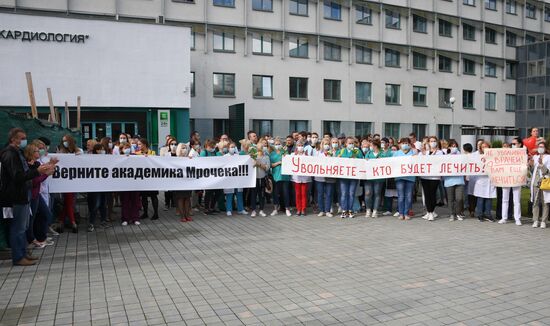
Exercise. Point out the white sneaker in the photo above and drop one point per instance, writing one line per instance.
(434, 214)
(426, 216)
(368, 213)
(386, 213)
(229, 213)
(339, 210)
(321, 214)
(460, 217)
(536, 224)
(253, 214)
(396, 214)
(275, 211)
(431, 216)
(288, 213)
(452, 218)
(518, 223)
(502, 221)
(374, 214)
(543, 225)
(262, 213)
(124, 223)
(137, 223)
(243, 212)
(329, 214)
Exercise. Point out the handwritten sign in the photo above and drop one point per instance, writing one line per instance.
(506, 167)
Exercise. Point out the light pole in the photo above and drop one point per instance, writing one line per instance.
(452, 102)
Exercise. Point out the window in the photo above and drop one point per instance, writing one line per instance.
(392, 130)
(224, 42)
(535, 68)
(393, 95)
(332, 52)
(469, 2)
(262, 86)
(490, 101)
(444, 97)
(419, 130)
(490, 69)
(294, 125)
(224, 84)
(298, 7)
(443, 131)
(331, 91)
(331, 126)
(419, 61)
(363, 15)
(298, 88)
(298, 47)
(363, 128)
(333, 10)
(530, 39)
(511, 7)
(420, 24)
(393, 19)
(261, 44)
(511, 39)
(263, 127)
(511, 70)
(531, 102)
(392, 58)
(491, 4)
(530, 11)
(445, 64)
(510, 102)
(490, 36)
(468, 32)
(547, 14)
(363, 55)
(445, 28)
(224, 3)
(192, 84)
(419, 95)
(468, 99)
(262, 5)
(469, 67)
(363, 92)
(192, 40)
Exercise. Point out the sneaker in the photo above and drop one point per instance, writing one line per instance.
(137, 223)
(243, 212)
(502, 221)
(452, 218)
(518, 223)
(434, 214)
(298, 213)
(91, 228)
(431, 217)
(489, 218)
(374, 214)
(344, 215)
(536, 224)
(329, 214)
(48, 242)
(53, 232)
(543, 225)
(183, 219)
(75, 228)
(124, 223)
(38, 244)
(262, 213)
(386, 213)
(426, 216)
(321, 214)
(407, 217)
(350, 214)
(396, 214)
(228, 213)
(275, 212)
(460, 217)
(481, 219)
(253, 214)
(288, 212)
(401, 217)
(368, 213)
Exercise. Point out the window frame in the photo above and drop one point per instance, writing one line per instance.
(471, 3)
(491, 99)
(332, 6)
(529, 7)
(445, 104)
(491, 5)
(391, 86)
(490, 67)
(468, 32)
(263, 42)
(445, 28)
(298, 81)
(511, 4)
(444, 61)
(417, 89)
(511, 39)
(298, 46)
(224, 75)
(225, 36)
(299, 4)
(468, 92)
(332, 48)
(416, 21)
(222, 3)
(391, 14)
(366, 18)
(262, 5)
(466, 63)
(262, 77)
(490, 36)
(368, 98)
(396, 54)
(424, 57)
(363, 50)
(332, 83)
(507, 101)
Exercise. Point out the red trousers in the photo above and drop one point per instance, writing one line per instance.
(301, 196)
(68, 208)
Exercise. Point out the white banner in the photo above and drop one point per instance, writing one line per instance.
(506, 167)
(106, 173)
(392, 167)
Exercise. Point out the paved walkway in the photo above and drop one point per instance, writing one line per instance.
(282, 270)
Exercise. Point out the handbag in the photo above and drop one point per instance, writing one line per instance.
(545, 184)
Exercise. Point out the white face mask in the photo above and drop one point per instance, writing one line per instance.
(326, 147)
(514, 145)
(127, 151)
(278, 146)
(334, 145)
(541, 150)
(382, 145)
(433, 144)
(300, 149)
(110, 145)
(350, 146)
(454, 150)
(122, 140)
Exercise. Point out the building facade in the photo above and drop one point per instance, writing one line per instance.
(351, 66)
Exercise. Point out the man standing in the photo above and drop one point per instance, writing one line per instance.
(15, 192)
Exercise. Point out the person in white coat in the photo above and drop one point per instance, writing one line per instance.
(484, 192)
(516, 191)
(541, 167)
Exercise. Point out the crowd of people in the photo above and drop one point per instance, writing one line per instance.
(35, 215)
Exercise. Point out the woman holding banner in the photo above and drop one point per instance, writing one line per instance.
(300, 183)
(183, 197)
(484, 192)
(455, 187)
(143, 149)
(324, 186)
(404, 185)
(516, 191)
(373, 187)
(348, 186)
(130, 200)
(541, 169)
(68, 146)
(281, 182)
(430, 184)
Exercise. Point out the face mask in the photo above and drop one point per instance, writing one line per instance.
(270, 141)
(350, 147)
(278, 147)
(127, 151)
(326, 147)
(110, 145)
(232, 150)
(173, 147)
(211, 150)
(314, 140)
(225, 150)
(42, 152)
(300, 149)
(454, 150)
(364, 149)
(382, 145)
(405, 147)
(541, 150)
(102, 151)
(66, 144)
(433, 144)
(514, 146)
(123, 141)
(23, 144)
(371, 148)
(334, 145)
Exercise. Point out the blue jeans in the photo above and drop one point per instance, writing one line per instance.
(18, 228)
(373, 192)
(42, 214)
(229, 202)
(484, 206)
(96, 202)
(347, 193)
(404, 195)
(324, 195)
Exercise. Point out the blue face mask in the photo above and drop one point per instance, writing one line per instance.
(211, 150)
(23, 144)
(405, 147)
(127, 151)
(225, 150)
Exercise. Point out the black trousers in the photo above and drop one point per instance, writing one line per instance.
(430, 193)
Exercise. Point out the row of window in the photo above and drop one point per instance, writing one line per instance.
(333, 9)
(262, 87)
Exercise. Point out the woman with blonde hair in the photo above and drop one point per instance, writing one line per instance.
(68, 146)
